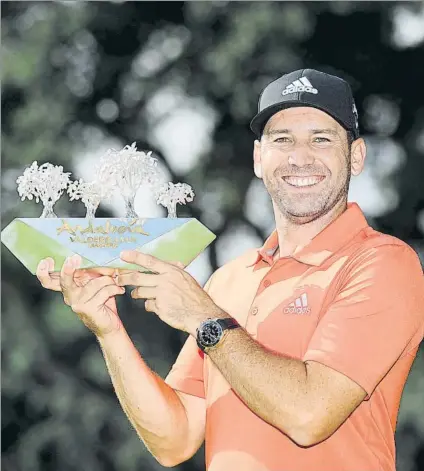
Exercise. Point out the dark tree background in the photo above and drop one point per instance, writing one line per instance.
(181, 79)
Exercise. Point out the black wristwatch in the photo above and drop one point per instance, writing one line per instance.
(211, 331)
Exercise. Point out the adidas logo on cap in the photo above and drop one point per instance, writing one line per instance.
(301, 85)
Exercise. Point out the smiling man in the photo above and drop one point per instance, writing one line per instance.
(298, 352)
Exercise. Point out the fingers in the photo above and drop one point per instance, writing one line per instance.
(150, 305)
(68, 270)
(178, 265)
(91, 293)
(50, 264)
(107, 292)
(94, 286)
(101, 271)
(144, 293)
(51, 280)
(135, 278)
(43, 272)
(90, 307)
(145, 261)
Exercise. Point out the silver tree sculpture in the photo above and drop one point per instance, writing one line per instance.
(46, 183)
(90, 193)
(129, 169)
(170, 194)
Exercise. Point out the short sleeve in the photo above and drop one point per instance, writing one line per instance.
(377, 316)
(186, 374)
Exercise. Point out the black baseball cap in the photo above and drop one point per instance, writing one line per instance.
(308, 87)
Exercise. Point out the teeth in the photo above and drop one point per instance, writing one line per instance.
(308, 181)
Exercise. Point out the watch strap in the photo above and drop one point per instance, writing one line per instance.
(228, 323)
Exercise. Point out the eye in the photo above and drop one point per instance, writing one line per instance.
(282, 139)
(321, 139)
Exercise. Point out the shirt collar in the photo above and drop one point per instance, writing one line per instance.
(327, 242)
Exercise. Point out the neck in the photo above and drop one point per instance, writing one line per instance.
(296, 233)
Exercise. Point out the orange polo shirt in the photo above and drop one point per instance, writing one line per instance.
(352, 299)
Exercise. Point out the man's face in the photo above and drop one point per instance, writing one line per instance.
(304, 160)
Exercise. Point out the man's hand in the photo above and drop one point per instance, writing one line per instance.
(94, 302)
(170, 292)
(50, 279)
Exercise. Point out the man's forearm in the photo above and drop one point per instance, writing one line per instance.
(271, 385)
(152, 406)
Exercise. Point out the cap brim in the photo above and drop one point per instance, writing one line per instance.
(258, 122)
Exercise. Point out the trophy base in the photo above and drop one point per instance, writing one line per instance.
(99, 241)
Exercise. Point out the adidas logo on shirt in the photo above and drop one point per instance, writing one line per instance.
(298, 306)
(301, 85)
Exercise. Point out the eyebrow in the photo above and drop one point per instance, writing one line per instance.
(333, 132)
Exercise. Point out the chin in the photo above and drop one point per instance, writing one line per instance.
(303, 213)
(302, 218)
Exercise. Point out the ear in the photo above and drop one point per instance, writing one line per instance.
(257, 164)
(358, 154)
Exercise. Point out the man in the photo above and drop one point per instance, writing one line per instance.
(298, 353)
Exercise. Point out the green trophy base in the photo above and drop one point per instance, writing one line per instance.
(99, 241)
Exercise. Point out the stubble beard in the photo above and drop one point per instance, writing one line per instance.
(306, 207)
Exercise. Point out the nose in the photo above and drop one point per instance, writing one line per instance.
(301, 155)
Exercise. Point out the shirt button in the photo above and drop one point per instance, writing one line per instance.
(267, 283)
(254, 311)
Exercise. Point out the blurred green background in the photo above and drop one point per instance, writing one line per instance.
(181, 79)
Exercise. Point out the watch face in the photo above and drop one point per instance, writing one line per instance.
(210, 333)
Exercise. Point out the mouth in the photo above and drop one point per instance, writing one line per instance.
(303, 182)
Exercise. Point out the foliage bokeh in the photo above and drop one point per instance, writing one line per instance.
(181, 79)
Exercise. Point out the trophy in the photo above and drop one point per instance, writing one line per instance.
(99, 241)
